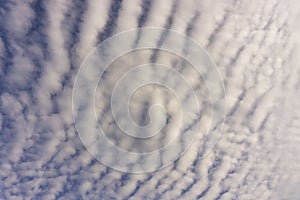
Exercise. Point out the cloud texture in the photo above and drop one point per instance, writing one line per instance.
(255, 45)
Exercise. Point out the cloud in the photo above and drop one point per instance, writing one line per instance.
(255, 46)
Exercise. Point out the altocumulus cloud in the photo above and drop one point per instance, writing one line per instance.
(255, 46)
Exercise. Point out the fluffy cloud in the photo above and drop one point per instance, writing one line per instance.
(255, 46)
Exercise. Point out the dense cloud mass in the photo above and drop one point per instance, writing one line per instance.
(255, 46)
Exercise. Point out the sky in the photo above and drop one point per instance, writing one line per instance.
(243, 106)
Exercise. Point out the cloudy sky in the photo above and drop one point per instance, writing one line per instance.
(255, 47)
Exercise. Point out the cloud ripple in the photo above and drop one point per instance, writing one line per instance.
(254, 44)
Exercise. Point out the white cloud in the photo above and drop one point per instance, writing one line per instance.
(256, 47)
